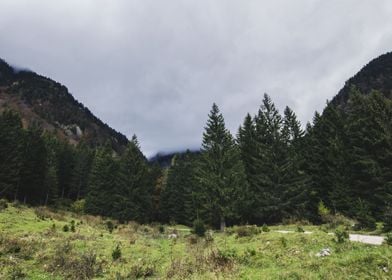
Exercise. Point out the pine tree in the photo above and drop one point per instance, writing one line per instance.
(269, 163)
(10, 153)
(103, 183)
(246, 139)
(370, 150)
(34, 167)
(221, 173)
(177, 198)
(133, 199)
(295, 181)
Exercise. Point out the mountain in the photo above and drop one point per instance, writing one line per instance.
(376, 75)
(43, 101)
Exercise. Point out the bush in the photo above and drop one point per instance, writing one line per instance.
(3, 204)
(78, 206)
(388, 239)
(364, 217)
(193, 239)
(243, 231)
(341, 235)
(75, 266)
(161, 229)
(300, 229)
(265, 228)
(199, 227)
(387, 219)
(142, 269)
(110, 226)
(283, 241)
(323, 212)
(65, 228)
(116, 253)
(15, 273)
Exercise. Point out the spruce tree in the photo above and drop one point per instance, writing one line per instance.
(10, 153)
(269, 163)
(133, 199)
(221, 173)
(33, 167)
(178, 196)
(103, 183)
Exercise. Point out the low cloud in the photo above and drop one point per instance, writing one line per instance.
(154, 67)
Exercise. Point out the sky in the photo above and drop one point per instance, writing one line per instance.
(154, 68)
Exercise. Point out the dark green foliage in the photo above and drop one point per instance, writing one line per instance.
(388, 239)
(33, 167)
(11, 149)
(387, 219)
(116, 253)
(65, 228)
(179, 198)
(110, 226)
(103, 183)
(220, 173)
(199, 227)
(246, 231)
(272, 150)
(3, 204)
(133, 196)
(341, 235)
(265, 228)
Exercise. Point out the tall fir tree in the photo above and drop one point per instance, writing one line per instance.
(34, 167)
(221, 173)
(103, 183)
(178, 197)
(133, 199)
(10, 153)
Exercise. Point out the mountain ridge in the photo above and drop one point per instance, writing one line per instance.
(41, 100)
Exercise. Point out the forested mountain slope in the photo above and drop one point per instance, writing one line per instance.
(376, 75)
(41, 100)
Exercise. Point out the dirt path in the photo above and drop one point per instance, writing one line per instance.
(367, 239)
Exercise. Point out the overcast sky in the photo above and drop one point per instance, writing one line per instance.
(154, 68)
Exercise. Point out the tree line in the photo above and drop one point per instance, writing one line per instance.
(271, 170)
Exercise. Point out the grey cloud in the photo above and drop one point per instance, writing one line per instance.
(154, 67)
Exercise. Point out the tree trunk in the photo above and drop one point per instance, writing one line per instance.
(222, 223)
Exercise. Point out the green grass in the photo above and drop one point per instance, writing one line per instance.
(30, 248)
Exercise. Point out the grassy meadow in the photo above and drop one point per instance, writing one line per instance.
(38, 243)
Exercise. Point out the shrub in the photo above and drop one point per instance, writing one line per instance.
(15, 273)
(300, 229)
(65, 228)
(110, 226)
(3, 204)
(161, 229)
(42, 213)
(265, 228)
(283, 242)
(324, 212)
(387, 219)
(223, 259)
(142, 269)
(243, 231)
(388, 239)
(75, 266)
(364, 217)
(192, 239)
(341, 235)
(199, 227)
(78, 206)
(116, 253)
